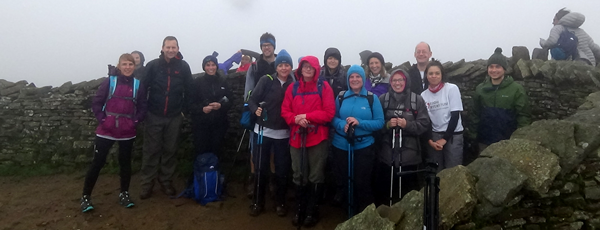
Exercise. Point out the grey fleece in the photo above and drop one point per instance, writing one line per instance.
(586, 47)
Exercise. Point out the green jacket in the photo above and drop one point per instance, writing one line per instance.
(499, 111)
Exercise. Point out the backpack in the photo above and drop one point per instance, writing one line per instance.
(413, 104)
(369, 97)
(567, 43)
(319, 89)
(207, 185)
(248, 118)
(112, 86)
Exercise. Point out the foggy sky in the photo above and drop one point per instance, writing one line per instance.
(52, 42)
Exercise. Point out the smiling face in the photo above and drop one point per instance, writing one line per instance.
(496, 71)
(267, 49)
(170, 49)
(126, 67)
(355, 81)
(374, 66)
(398, 82)
(308, 72)
(210, 68)
(284, 69)
(434, 75)
(332, 62)
(422, 53)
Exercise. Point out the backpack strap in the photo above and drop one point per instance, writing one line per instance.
(386, 101)
(413, 104)
(319, 89)
(112, 85)
(369, 99)
(341, 97)
(136, 86)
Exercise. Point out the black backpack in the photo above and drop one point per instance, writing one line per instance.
(413, 103)
(568, 43)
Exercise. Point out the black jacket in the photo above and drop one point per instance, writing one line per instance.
(208, 89)
(169, 86)
(275, 92)
(416, 80)
(337, 80)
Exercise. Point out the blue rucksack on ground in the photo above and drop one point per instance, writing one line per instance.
(566, 46)
(207, 185)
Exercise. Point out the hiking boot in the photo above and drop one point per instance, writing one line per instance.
(168, 189)
(298, 219)
(125, 200)
(281, 210)
(255, 209)
(310, 221)
(312, 208)
(146, 193)
(86, 204)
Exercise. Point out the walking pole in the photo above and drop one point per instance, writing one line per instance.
(350, 137)
(303, 134)
(259, 144)
(392, 167)
(400, 167)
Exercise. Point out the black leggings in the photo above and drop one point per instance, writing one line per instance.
(101, 148)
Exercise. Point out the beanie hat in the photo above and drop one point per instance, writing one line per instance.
(267, 40)
(356, 69)
(333, 52)
(498, 58)
(283, 57)
(378, 56)
(208, 59)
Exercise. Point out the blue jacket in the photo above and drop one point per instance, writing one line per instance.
(357, 106)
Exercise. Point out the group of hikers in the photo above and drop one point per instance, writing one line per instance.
(362, 123)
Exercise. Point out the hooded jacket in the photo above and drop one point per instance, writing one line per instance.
(169, 85)
(261, 68)
(337, 79)
(319, 109)
(499, 111)
(379, 88)
(417, 123)
(208, 89)
(111, 125)
(586, 46)
(275, 93)
(369, 119)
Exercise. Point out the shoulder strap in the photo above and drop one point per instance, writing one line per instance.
(320, 87)
(264, 93)
(413, 104)
(386, 101)
(341, 97)
(295, 88)
(136, 86)
(370, 99)
(112, 84)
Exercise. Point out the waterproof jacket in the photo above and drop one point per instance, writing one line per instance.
(499, 111)
(208, 89)
(270, 90)
(416, 85)
(119, 118)
(379, 88)
(586, 46)
(319, 109)
(370, 119)
(169, 86)
(256, 71)
(337, 80)
(408, 152)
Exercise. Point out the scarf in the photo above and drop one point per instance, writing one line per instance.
(436, 88)
(375, 79)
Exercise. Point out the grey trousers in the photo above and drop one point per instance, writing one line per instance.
(314, 166)
(452, 153)
(160, 145)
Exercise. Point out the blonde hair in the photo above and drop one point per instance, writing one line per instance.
(125, 57)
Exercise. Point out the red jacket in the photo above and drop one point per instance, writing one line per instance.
(319, 109)
(244, 68)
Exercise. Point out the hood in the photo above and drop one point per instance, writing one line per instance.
(407, 80)
(179, 56)
(487, 84)
(356, 69)
(572, 20)
(142, 58)
(314, 62)
(332, 52)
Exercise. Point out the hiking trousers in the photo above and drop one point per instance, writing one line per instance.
(160, 145)
(314, 166)
(452, 153)
(101, 148)
(364, 160)
(282, 161)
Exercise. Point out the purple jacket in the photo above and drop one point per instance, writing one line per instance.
(111, 125)
(380, 88)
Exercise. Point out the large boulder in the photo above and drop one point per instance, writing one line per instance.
(412, 206)
(559, 137)
(539, 164)
(367, 219)
(458, 195)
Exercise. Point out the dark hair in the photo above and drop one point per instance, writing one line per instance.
(170, 38)
(561, 13)
(266, 36)
(437, 63)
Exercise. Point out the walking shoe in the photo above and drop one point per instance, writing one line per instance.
(168, 189)
(311, 220)
(298, 219)
(281, 210)
(146, 193)
(125, 200)
(255, 209)
(86, 204)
